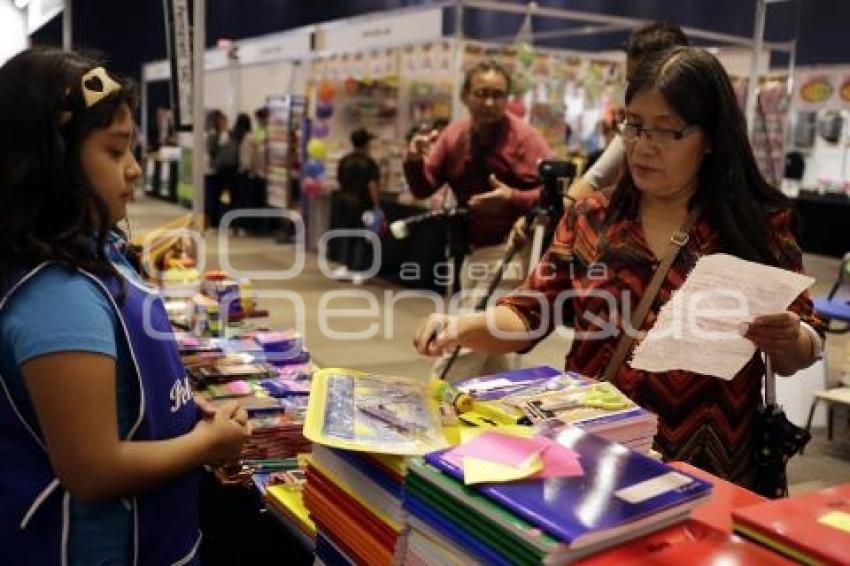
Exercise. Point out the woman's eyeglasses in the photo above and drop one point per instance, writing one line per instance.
(657, 136)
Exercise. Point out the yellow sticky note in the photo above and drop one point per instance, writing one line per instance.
(469, 433)
(837, 520)
(476, 470)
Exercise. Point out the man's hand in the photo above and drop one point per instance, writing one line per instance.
(420, 144)
(491, 201)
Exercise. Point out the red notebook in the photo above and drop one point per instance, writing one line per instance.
(692, 543)
(813, 528)
(725, 498)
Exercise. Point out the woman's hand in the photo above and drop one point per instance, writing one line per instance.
(437, 334)
(781, 336)
(775, 334)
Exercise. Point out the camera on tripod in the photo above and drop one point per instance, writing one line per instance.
(557, 176)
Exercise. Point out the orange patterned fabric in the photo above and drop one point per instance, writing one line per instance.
(703, 420)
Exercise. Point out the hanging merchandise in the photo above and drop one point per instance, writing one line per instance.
(317, 149)
(768, 133)
(350, 86)
(314, 168)
(321, 130)
(844, 92)
(287, 123)
(324, 110)
(325, 92)
(312, 187)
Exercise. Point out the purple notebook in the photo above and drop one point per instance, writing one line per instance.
(619, 488)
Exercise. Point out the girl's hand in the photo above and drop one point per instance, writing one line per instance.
(205, 406)
(224, 434)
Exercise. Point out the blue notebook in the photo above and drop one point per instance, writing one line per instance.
(620, 491)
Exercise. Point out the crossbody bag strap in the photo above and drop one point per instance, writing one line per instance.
(624, 344)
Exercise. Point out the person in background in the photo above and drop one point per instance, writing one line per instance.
(221, 160)
(259, 165)
(358, 176)
(243, 185)
(608, 165)
(489, 161)
(690, 167)
(609, 161)
(607, 132)
(100, 437)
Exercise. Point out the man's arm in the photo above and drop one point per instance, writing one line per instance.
(423, 163)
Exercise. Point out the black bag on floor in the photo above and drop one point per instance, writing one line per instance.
(777, 440)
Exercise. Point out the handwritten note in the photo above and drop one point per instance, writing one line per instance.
(699, 328)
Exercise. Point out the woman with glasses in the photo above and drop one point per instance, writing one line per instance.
(689, 161)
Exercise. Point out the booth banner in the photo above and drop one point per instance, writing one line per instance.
(179, 42)
(823, 90)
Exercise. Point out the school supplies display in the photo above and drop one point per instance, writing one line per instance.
(692, 543)
(542, 394)
(372, 413)
(621, 495)
(355, 499)
(812, 528)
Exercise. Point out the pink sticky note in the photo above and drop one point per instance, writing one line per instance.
(559, 462)
(495, 447)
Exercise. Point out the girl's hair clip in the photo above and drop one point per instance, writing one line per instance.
(97, 85)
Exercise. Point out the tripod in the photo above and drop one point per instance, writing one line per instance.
(541, 222)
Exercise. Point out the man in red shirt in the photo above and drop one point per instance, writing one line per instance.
(490, 162)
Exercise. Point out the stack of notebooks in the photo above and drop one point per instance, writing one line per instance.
(275, 436)
(622, 495)
(269, 373)
(812, 528)
(706, 539)
(355, 501)
(543, 393)
(283, 493)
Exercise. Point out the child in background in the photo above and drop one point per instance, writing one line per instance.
(100, 437)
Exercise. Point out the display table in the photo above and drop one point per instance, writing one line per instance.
(824, 223)
(420, 253)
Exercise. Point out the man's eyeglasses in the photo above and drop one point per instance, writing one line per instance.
(658, 136)
(485, 93)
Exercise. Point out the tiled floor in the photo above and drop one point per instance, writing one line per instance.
(389, 349)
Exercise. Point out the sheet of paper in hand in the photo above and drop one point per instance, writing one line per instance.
(698, 329)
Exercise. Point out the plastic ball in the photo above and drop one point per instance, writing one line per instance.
(317, 149)
(326, 91)
(324, 110)
(312, 187)
(314, 168)
(320, 130)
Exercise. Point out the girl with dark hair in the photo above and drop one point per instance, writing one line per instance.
(99, 432)
(689, 163)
